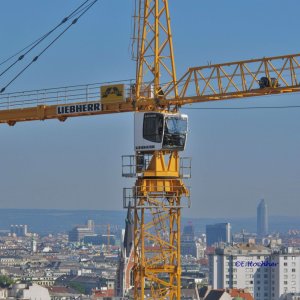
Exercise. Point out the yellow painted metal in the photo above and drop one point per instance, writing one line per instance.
(46, 112)
(113, 93)
(231, 80)
(157, 239)
(159, 168)
(155, 56)
(235, 80)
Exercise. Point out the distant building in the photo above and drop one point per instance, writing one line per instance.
(218, 233)
(286, 276)
(188, 232)
(262, 219)
(244, 237)
(98, 239)
(87, 282)
(207, 292)
(33, 246)
(124, 280)
(228, 268)
(19, 230)
(104, 293)
(266, 275)
(62, 293)
(200, 250)
(188, 244)
(91, 224)
(78, 233)
(292, 296)
(3, 293)
(25, 291)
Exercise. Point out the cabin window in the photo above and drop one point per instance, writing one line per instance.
(153, 127)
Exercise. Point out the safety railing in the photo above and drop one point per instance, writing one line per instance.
(58, 96)
(135, 165)
(161, 197)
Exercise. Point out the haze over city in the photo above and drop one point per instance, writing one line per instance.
(238, 156)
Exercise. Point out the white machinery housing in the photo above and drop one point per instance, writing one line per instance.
(160, 131)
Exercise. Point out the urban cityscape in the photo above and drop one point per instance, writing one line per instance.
(218, 84)
(95, 261)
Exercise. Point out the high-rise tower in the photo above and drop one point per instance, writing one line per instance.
(218, 233)
(262, 218)
(188, 243)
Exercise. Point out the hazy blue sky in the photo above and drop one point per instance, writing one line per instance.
(238, 156)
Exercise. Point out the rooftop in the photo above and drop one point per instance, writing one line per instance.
(248, 249)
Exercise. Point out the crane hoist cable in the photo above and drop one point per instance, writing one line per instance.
(40, 39)
(79, 12)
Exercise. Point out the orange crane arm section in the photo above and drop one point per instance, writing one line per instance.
(226, 81)
(46, 112)
(235, 80)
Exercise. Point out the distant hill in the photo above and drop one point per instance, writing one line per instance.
(44, 221)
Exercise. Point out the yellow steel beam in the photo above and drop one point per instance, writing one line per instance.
(157, 243)
(226, 81)
(155, 56)
(238, 79)
(46, 112)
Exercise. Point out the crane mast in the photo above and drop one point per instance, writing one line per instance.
(158, 189)
(155, 55)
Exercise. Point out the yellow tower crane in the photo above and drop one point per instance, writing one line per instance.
(160, 132)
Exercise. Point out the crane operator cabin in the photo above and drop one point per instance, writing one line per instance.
(160, 131)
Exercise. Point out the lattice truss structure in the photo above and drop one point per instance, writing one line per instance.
(157, 199)
(231, 80)
(248, 78)
(155, 56)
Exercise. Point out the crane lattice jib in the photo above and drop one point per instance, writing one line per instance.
(248, 78)
(232, 80)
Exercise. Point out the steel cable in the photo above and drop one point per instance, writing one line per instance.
(81, 10)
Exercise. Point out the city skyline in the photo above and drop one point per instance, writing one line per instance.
(238, 156)
(53, 221)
